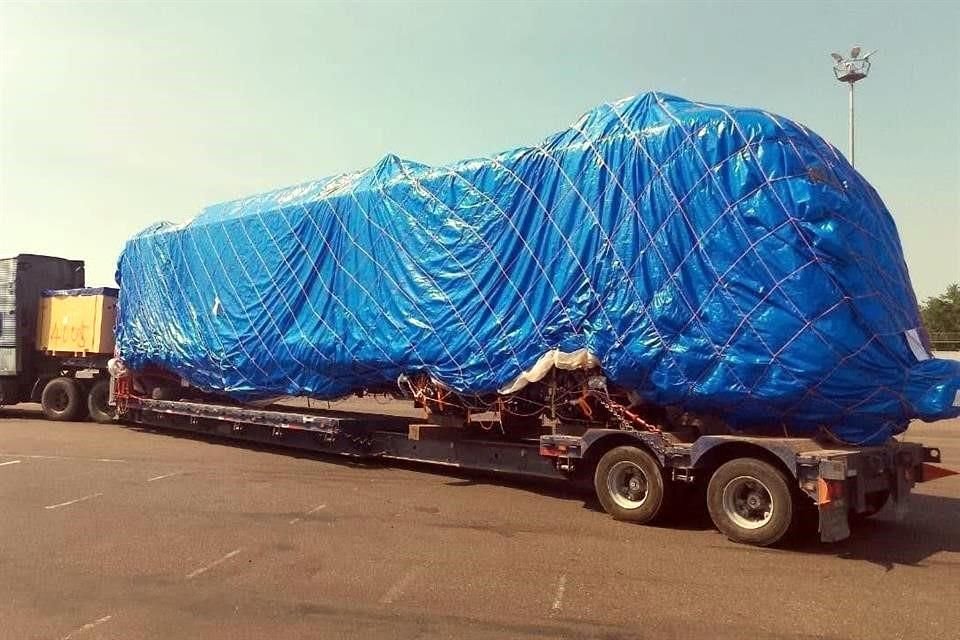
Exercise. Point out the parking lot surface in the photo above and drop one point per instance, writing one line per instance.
(119, 532)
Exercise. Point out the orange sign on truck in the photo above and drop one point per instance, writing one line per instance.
(77, 321)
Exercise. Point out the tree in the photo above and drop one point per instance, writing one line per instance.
(941, 317)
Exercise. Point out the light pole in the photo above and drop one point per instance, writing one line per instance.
(850, 70)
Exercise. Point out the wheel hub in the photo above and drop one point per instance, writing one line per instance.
(60, 401)
(748, 502)
(627, 484)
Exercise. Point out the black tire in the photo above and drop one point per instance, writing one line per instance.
(98, 402)
(750, 501)
(630, 485)
(62, 399)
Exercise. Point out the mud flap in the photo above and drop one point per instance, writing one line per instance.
(902, 484)
(832, 501)
(834, 522)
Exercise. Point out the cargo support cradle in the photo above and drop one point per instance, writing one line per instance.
(838, 480)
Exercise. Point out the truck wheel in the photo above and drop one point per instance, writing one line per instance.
(98, 402)
(62, 399)
(630, 485)
(750, 501)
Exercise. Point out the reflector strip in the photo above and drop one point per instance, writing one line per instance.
(932, 472)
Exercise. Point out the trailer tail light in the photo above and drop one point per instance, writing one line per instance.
(553, 450)
(932, 472)
(829, 490)
(560, 447)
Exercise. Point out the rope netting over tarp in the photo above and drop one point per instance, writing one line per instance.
(725, 260)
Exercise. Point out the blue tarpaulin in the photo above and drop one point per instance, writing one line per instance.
(725, 260)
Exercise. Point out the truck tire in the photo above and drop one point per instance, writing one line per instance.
(62, 399)
(630, 485)
(750, 501)
(98, 402)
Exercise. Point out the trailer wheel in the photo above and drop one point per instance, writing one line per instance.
(62, 399)
(98, 402)
(750, 501)
(630, 485)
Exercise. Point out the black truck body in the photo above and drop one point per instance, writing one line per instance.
(22, 278)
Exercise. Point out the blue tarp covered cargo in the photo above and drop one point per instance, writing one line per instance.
(725, 260)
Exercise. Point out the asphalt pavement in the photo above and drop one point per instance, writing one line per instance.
(119, 532)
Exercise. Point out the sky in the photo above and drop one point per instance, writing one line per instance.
(115, 116)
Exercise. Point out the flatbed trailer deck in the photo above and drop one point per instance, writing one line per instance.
(636, 474)
(355, 434)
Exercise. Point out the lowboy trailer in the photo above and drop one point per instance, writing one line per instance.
(757, 488)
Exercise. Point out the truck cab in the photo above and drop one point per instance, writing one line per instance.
(55, 337)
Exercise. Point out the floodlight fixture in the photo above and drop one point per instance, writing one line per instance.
(851, 70)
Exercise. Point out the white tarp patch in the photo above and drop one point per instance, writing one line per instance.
(916, 345)
(579, 359)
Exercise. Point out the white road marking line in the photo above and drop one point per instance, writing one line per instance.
(561, 587)
(196, 572)
(3, 464)
(89, 625)
(39, 457)
(400, 585)
(69, 502)
(314, 510)
(169, 475)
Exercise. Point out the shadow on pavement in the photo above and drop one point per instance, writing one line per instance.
(930, 525)
(17, 413)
